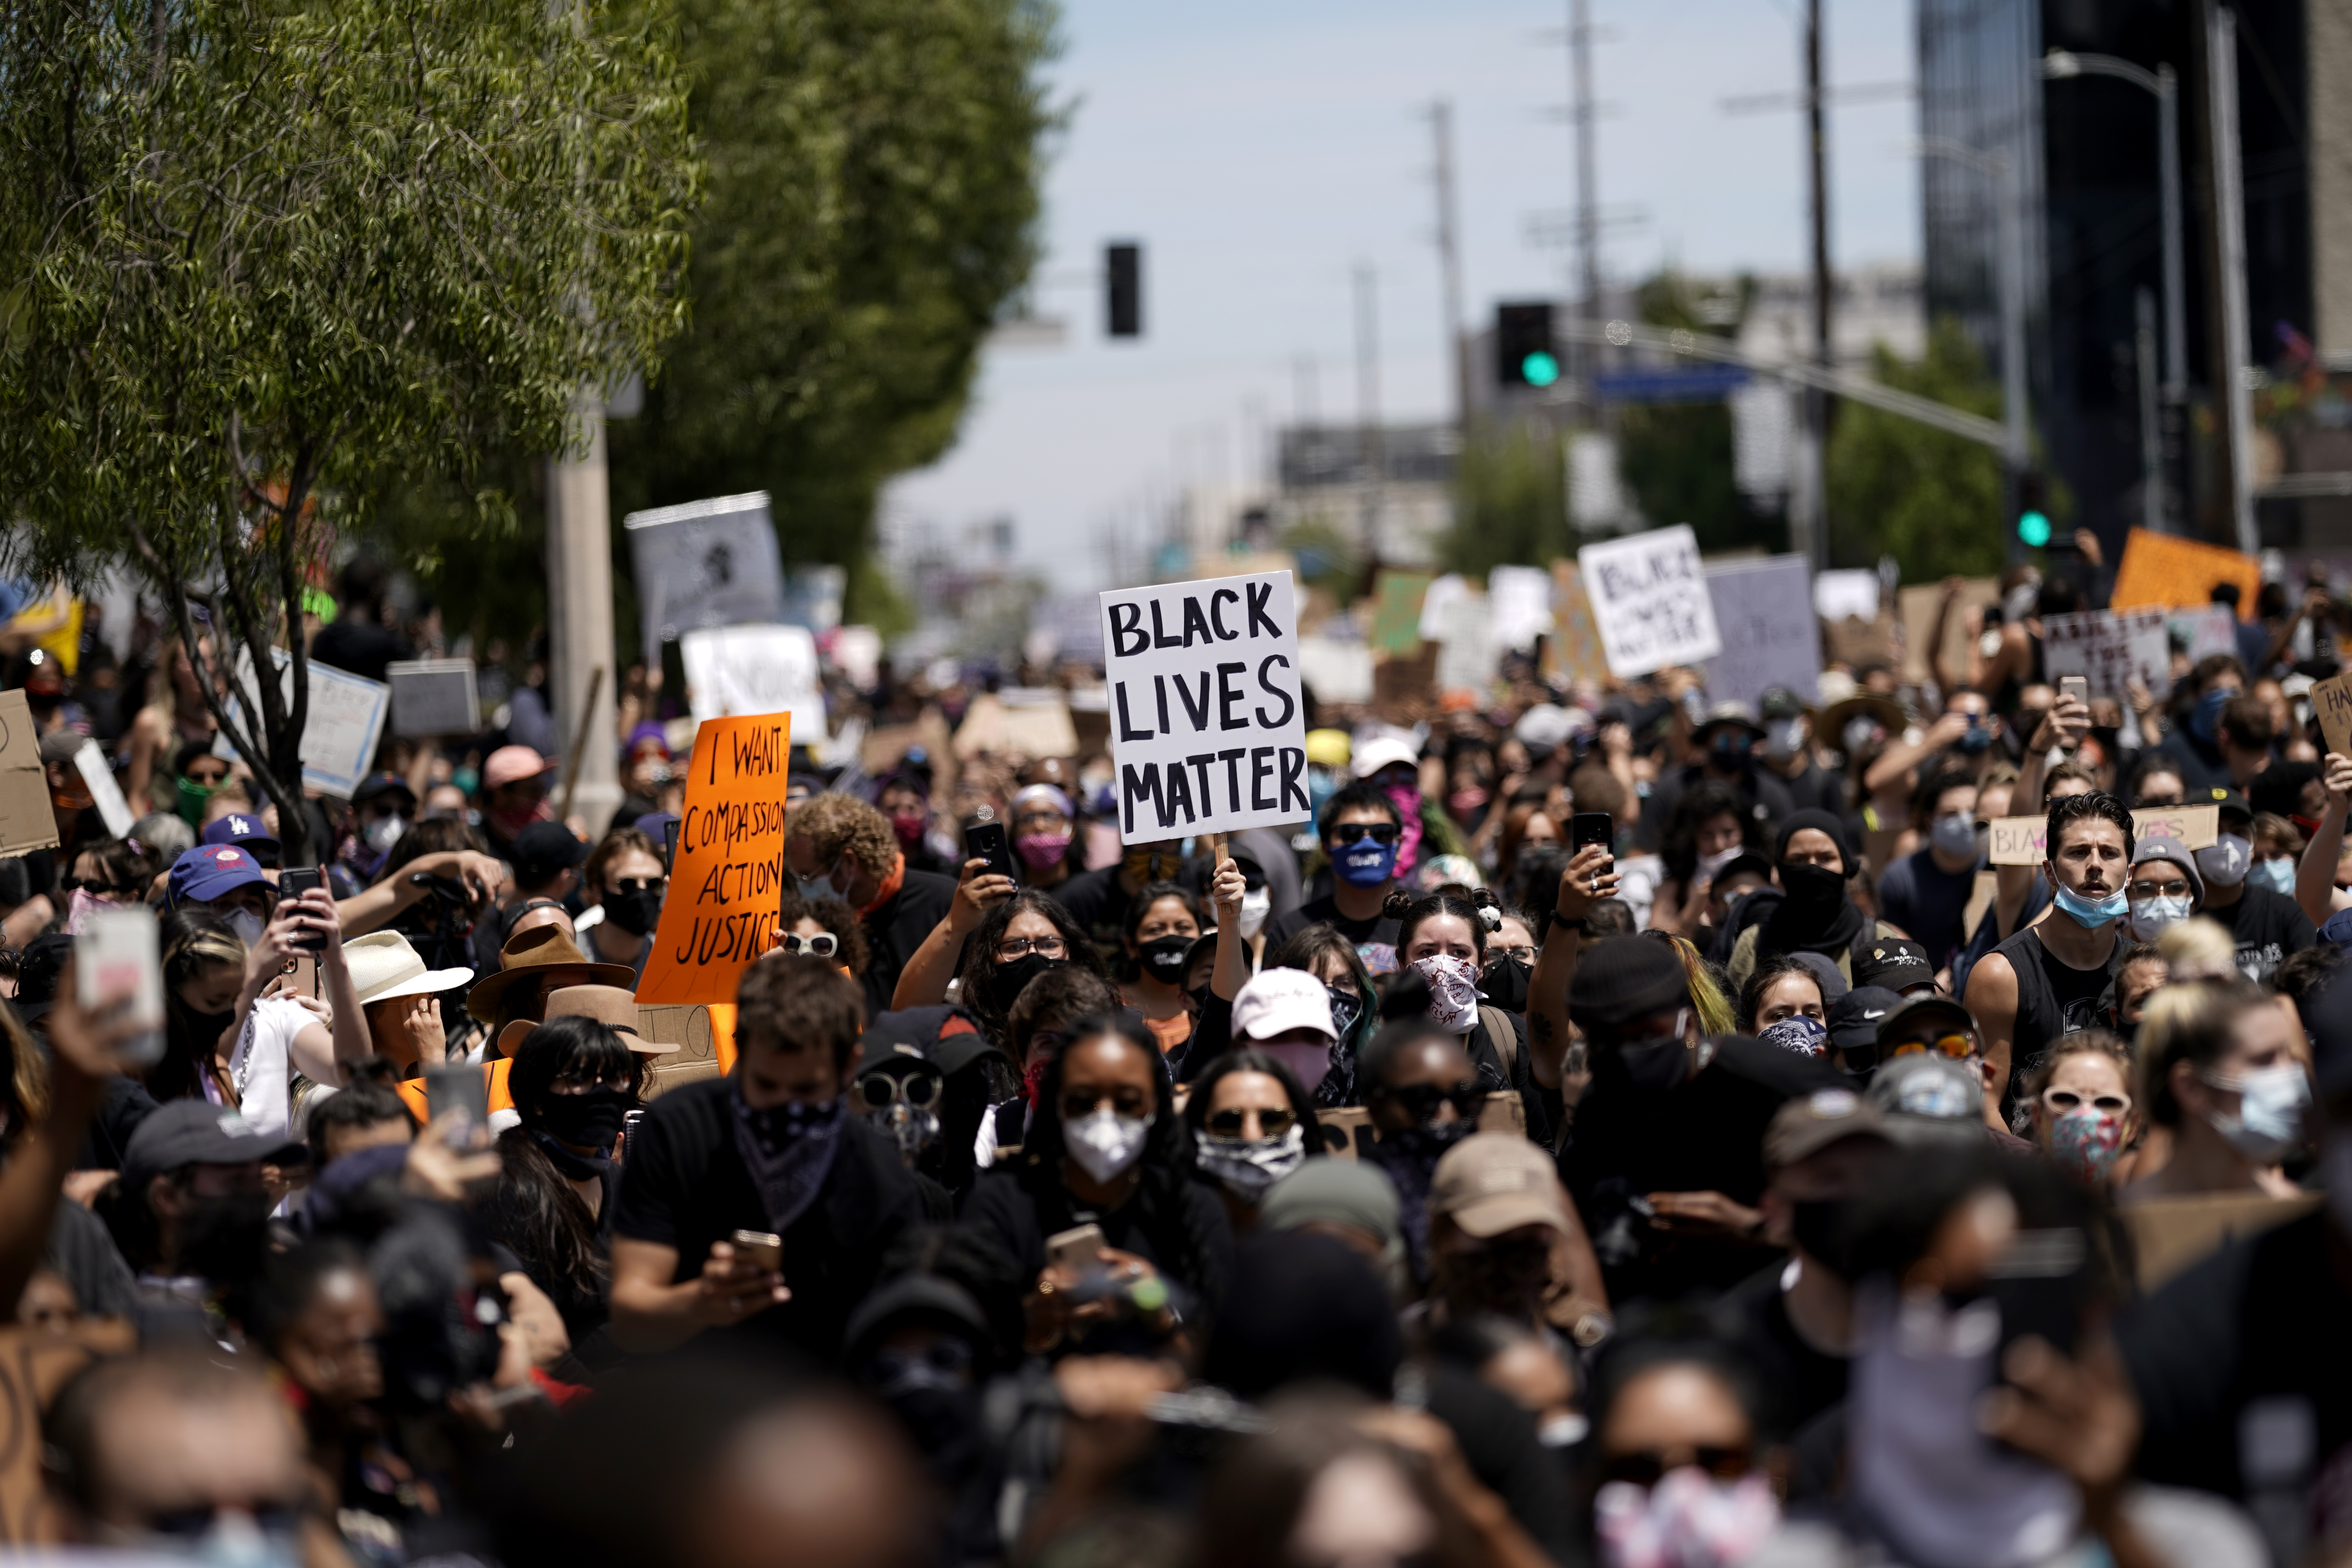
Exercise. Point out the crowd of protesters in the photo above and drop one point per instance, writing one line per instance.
(1759, 1176)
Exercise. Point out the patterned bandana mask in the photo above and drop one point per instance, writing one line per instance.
(789, 1149)
(2084, 1143)
(1452, 991)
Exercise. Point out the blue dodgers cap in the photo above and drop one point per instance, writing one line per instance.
(212, 871)
(239, 827)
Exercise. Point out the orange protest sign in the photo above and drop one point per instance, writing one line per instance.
(2181, 573)
(729, 871)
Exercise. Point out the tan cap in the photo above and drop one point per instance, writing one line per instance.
(1494, 1182)
(1811, 1122)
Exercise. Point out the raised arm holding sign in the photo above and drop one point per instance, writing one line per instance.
(1208, 724)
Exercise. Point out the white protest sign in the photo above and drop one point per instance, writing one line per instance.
(104, 792)
(434, 697)
(2108, 649)
(1764, 614)
(339, 732)
(1519, 600)
(735, 671)
(1650, 601)
(1336, 671)
(1466, 648)
(1208, 727)
(706, 563)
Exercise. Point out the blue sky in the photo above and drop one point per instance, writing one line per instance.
(1261, 150)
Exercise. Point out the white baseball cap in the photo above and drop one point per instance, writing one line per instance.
(1280, 1000)
(1384, 753)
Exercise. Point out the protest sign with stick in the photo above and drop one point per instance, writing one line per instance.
(1208, 725)
(1650, 601)
(728, 876)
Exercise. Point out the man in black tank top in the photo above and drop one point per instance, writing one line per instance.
(2045, 981)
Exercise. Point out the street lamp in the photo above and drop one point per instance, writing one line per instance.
(2064, 65)
(2009, 281)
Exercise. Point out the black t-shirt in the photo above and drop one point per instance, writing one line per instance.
(364, 648)
(1098, 905)
(1178, 1226)
(895, 931)
(2053, 999)
(1705, 1134)
(1375, 939)
(685, 1187)
(2268, 928)
(2246, 1351)
(1801, 1381)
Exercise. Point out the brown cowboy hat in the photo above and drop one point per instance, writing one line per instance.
(609, 1004)
(538, 960)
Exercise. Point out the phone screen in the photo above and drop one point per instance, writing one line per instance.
(116, 956)
(292, 883)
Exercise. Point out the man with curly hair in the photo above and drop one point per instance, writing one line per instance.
(839, 846)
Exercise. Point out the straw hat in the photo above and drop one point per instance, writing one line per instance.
(609, 1004)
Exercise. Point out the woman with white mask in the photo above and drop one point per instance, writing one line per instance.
(2222, 1067)
(1105, 1148)
(2164, 888)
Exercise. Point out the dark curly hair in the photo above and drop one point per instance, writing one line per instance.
(1706, 799)
(977, 993)
(834, 916)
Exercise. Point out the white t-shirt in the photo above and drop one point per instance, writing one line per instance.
(263, 1065)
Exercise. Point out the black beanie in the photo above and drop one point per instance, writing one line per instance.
(1620, 978)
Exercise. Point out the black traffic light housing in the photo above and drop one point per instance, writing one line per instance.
(1123, 289)
(1524, 355)
(2032, 522)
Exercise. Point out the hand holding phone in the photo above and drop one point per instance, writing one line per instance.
(984, 839)
(762, 1250)
(116, 959)
(293, 882)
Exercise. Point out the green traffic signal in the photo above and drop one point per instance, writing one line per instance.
(2033, 528)
(1539, 369)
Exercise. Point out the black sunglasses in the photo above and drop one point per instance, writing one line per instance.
(1647, 1470)
(1423, 1098)
(1355, 832)
(880, 1088)
(1231, 1123)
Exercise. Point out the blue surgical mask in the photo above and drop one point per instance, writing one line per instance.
(1953, 834)
(2270, 1102)
(1978, 737)
(2092, 913)
(2277, 875)
(1366, 863)
(2207, 715)
(2149, 917)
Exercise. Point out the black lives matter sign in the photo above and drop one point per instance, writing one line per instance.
(1208, 727)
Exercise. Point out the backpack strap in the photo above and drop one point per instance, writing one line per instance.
(1505, 1038)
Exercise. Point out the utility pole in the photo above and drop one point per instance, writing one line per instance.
(2152, 433)
(2236, 352)
(1367, 401)
(579, 614)
(1588, 189)
(1808, 508)
(1449, 260)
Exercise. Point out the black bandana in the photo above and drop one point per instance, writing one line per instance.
(789, 1150)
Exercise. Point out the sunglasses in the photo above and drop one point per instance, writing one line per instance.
(2062, 1101)
(1645, 1469)
(880, 1089)
(91, 885)
(1349, 833)
(1960, 1047)
(1423, 1098)
(823, 944)
(1230, 1123)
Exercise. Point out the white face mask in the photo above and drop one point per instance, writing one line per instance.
(1452, 991)
(248, 926)
(2269, 1120)
(1256, 904)
(384, 831)
(1710, 866)
(1106, 1143)
(2225, 862)
(2276, 874)
(2149, 917)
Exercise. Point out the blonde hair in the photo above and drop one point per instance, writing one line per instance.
(2187, 1022)
(1716, 1015)
(2199, 949)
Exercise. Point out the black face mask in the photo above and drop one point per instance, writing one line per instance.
(1163, 958)
(590, 1121)
(1508, 1279)
(226, 1239)
(1820, 1227)
(1428, 1144)
(1012, 979)
(635, 912)
(1506, 985)
(1811, 889)
(202, 1030)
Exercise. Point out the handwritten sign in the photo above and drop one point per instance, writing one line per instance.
(1764, 612)
(705, 564)
(729, 871)
(2331, 703)
(2177, 573)
(1208, 725)
(345, 720)
(2110, 649)
(26, 821)
(434, 697)
(1915, 609)
(732, 671)
(2019, 840)
(1573, 649)
(2210, 630)
(1650, 601)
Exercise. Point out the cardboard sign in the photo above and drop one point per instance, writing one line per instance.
(1764, 612)
(1520, 597)
(738, 671)
(1396, 611)
(1029, 722)
(1650, 601)
(2017, 840)
(2109, 648)
(26, 820)
(1573, 649)
(729, 871)
(104, 792)
(34, 1364)
(434, 697)
(345, 721)
(2331, 704)
(2181, 573)
(1347, 1129)
(1915, 606)
(1208, 722)
(705, 564)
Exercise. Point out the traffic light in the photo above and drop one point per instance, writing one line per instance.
(1524, 355)
(2032, 509)
(1123, 289)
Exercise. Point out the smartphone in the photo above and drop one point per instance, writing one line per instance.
(2076, 687)
(1077, 1249)
(669, 846)
(1591, 828)
(292, 883)
(985, 840)
(116, 956)
(457, 1092)
(763, 1248)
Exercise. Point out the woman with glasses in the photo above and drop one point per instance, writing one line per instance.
(2082, 1105)
(1163, 923)
(1252, 1125)
(114, 874)
(1105, 1148)
(1007, 937)
(823, 927)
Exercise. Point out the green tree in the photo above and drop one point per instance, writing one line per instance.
(258, 255)
(1510, 502)
(1931, 499)
(873, 204)
(1675, 457)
